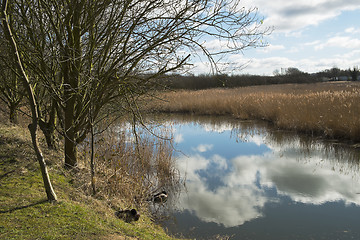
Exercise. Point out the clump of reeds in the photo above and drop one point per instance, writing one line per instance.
(130, 167)
(329, 109)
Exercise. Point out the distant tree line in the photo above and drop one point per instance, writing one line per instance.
(290, 75)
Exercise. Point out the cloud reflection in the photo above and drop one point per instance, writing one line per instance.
(178, 138)
(204, 147)
(246, 180)
(227, 205)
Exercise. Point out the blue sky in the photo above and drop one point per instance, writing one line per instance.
(311, 35)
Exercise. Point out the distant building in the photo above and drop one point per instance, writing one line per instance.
(344, 78)
(341, 78)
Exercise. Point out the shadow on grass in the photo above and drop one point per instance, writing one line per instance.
(5, 174)
(25, 206)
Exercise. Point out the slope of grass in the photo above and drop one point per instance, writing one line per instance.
(25, 213)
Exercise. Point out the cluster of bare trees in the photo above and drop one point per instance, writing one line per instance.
(73, 58)
(227, 81)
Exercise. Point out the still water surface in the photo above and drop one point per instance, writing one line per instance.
(246, 181)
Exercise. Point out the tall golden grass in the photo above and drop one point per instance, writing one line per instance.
(329, 109)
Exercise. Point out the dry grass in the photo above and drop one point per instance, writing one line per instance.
(129, 168)
(127, 171)
(24, 213)
(329, 109)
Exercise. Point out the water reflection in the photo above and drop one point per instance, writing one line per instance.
(236, 170)
(231, 203)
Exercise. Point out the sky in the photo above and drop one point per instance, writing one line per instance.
(311, 35)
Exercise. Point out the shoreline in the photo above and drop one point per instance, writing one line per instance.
(327, 110)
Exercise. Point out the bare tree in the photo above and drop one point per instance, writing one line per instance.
(30, 94)
(11, 92)
(354, 73)
(92, 53)
(10, 87)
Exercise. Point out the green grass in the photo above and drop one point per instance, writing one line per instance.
(25, 213)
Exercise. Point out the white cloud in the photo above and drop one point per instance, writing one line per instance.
(312, 43)
(352, 30)
(242, 196)
(267, 65)
(257, 139)
(219, 161)
(350, 55)
(178, 138)
(287, 15)
(216, 45)
(309, 183)
(315, 178)
(293, 20)
(227, 205)
(293, 50)
(217, 127)
(189, 166)
(340, 41)
(204, 147)
(271, 48)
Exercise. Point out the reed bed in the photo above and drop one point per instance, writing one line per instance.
(328, 109)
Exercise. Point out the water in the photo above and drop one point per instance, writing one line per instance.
(246, 181)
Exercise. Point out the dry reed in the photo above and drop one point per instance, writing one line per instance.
(129, 168)
(329, 109)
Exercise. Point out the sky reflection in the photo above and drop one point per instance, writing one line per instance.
(231, 177)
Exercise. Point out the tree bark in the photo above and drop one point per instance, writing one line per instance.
(70, 151)
(13, 117)
(48, 128)
(69, 125)
(51, 196)
(92, 159)
(71, 72)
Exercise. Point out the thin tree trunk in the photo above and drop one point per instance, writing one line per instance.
(48, 128)
(70, 152)
(44, 172)
(13, 117)
(70, 83)
(33, 126)
(70, 135)
(92, 160)
(49, 133)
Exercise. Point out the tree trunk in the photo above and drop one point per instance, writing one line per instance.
(69, 131)
(70, 152)
(48, 130)
(92, 159)
(50, 193)
(71, 73)
(51, 196)
(13, 117)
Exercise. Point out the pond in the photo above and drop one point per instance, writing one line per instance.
(244, 180)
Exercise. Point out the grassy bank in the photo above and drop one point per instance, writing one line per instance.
(24, 213)
(328, 109)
